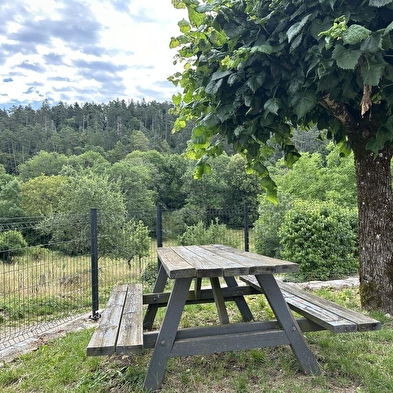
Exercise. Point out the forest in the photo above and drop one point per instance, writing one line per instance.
(60, 161)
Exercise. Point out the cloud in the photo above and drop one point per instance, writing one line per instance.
(54, 59)
(86, 50)
(32, 66)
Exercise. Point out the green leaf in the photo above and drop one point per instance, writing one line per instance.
(354, 34)
(264, 48)
(255, 82)
(380, 3)
(372, 44)
(295, 29)
(388, 29)
(213, 86)
(220, 74)
(174, 43)
(195, 18)
(272, 105)
(372, 74)
(184, 25)
(345, 58)
(304, 102)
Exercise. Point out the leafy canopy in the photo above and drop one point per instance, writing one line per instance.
(255, 69)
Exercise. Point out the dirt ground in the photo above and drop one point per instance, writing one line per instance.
(84, 322)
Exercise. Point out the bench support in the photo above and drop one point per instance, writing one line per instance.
(288, 324)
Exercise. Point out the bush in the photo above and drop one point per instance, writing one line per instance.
(215, 233)
(37, 253)
(12, 244)
(322, 238)
(271, 216)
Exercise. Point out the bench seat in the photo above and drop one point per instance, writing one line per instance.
(120, 329)
(325, 313)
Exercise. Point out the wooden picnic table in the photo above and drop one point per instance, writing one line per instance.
(126, 326)
(183, 264)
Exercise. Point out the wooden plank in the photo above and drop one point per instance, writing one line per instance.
(174, 264)
(204, 296)
(363, 322)
(230, 342)
(103, 341)
(230, 267)
(326, 319)
(328, 314)
(257, 264)
(150, 338)
(204, 267)
(130, 338)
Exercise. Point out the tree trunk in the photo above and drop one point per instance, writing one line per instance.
(375, 204)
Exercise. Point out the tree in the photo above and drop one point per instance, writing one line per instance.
(255, 70)
(43, 163)
(70, 229)
(41, 195)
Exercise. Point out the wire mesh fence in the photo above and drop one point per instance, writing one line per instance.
(46, 264)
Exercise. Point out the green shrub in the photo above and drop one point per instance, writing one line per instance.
(149, 275)
(322, 238)
(271, 216)
(215, 233)
(12, 244)
(37, 253)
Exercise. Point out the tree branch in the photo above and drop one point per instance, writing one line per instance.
(340, 112)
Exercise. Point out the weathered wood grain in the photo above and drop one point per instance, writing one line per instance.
(325, 313)
(122, 319)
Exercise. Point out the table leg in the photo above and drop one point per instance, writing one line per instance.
(288, 323)
(240, 301)
(152, 308)
(167, 334)
(197, 287)
(219, 300)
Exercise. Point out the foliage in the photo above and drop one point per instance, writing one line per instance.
(255, 70)
(321, 237)
(271, 217)
(43, 163)
(149, 275)
(202, 234)
(135, 241)
(314, 178)
(65, 130)
(12, 244)
(41, 195)
(70, 229)
(10, 199)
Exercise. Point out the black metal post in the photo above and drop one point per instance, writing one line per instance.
(246, 229)
(159, 231)
(94, 263)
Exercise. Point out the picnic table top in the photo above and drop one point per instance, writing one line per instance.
(218, 261)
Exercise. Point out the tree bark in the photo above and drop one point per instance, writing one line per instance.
(375, 204)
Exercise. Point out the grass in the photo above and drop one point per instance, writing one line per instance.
(354, 362)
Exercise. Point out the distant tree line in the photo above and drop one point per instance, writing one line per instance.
(113, 129)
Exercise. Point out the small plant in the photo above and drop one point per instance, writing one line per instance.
(215, 233)
(12, 244)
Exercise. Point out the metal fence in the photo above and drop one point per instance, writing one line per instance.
(47, 282)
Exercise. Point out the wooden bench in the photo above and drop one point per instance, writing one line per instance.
(327, 314)
(120, 329)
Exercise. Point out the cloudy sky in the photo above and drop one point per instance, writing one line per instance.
(86, 50)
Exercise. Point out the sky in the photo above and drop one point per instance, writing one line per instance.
(86, 51)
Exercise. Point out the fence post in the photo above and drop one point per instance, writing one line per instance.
(246, 228)
(159, 231)
(94, 263)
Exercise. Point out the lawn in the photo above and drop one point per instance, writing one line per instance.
(354, 362)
